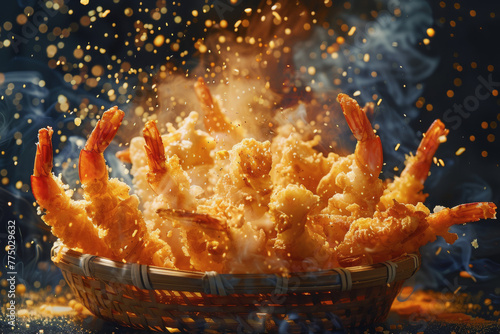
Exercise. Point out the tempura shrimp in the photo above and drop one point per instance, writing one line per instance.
(247, 180)
(408, 187)
(205, 238)
(67, 217)
(191, 145)
(294, 158)
(173, 191)
(443, 218)
(404, 229)
(192, 149)
(353, 187)
(166, 176)
(214, 119)
(218, 200)
(295, 240)
(111, 207)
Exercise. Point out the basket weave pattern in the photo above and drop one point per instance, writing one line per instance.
(159, 299)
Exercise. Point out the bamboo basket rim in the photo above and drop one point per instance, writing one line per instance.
(150, 277)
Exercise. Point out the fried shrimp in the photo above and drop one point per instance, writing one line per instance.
(443, 218)
(247, 180)
(294, 158)
(110, 206)
(205, 239)
(289, 209)
(166, 176)
(404, 229)
(191, 146)
(408, 187)
(68, 218)
(368, 151)
(222, 201)
(353, 187)
(172, 187)
(378, 238)
(214, 119)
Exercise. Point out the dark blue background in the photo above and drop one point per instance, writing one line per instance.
(467, 178)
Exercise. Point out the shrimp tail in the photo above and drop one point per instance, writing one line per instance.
(105, 130)
(214, 120)
(442, 220)
(155, 151)
(44, 153)
(461, 214)
(154, 148)
(369, 147)
(92, 166)
(420, 165)
(68, 221)
(44, 188)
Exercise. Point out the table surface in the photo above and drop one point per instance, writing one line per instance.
(419, 312)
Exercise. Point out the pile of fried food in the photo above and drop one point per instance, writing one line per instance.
(219, 201)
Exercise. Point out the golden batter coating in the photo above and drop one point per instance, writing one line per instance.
(218, 201)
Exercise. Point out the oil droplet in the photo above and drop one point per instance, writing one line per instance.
(139, 111)
(159, 40)
(460, 151)
(97, 70)
(21, 19)
(202, 48)
(51, 51)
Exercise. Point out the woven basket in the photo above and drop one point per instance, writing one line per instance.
(159, 299)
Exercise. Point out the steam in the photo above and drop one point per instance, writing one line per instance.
(381, 59)
(67, 162)
(22, 113)
(29, 103)
(478, 260)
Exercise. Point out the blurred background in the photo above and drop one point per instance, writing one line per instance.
(63, 62)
